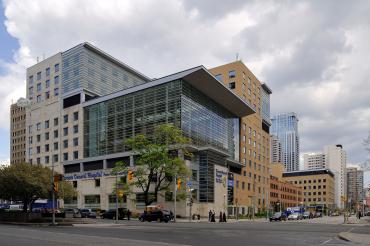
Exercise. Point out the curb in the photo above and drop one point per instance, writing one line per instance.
(363, 239)
(35, 224)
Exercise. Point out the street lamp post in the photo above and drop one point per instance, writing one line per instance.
(52, 191)
(116, 197)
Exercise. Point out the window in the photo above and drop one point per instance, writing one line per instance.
(47, 148)
(30, 151)
(75, 155)
(38, 160)
(92, 199)
(75, 116)
(56, 146)
(55, 157)
(30, 140)
(30, 80)
(56, 67)
(39, 87)
(46, 159)
(219, 77)
(56, 80)
(46, 124)
(65, 156)
(55, 121)
(38, 126)
(65, 118)
(30, 91)
(75, 142)
(65, 131)
(74, 184)
(75, 129)
(38, 75)
(38, 98)
(38, 138)
(55, 133)
(56, 91)
(47, 71)
(97, 182)
(65, 144)
(47, 83)
(232, 85)
(38, 149)
(232, 74)
(47, 95)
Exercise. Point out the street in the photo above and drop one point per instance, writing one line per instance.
(137, 233)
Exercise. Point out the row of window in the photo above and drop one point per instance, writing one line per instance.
(47, 73)
(56, 146)
(56, 122)
(55, 158)
(314, 193)
(315, 199)
(314, 187)
(55, 134)
(39, 85)
(310, 181)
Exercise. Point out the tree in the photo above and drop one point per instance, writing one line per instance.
(157, 161)
(27, 183)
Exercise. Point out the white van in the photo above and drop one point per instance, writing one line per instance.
(15, 207)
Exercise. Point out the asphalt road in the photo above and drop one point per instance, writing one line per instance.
(137, 233)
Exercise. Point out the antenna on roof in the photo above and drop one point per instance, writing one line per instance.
(43, 56)
(237, 56)
(37, 59)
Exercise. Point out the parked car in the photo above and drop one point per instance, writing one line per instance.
(318, 215)
(278, 216)
(295, 216)
(72, 212)
(307, 215)
(156, 215)
(111, 214)
(367, 213)
(87, 213)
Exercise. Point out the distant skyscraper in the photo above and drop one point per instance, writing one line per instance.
(355, 186)
(277, 155)
(285, 127)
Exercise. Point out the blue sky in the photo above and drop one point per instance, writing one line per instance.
(8, 46)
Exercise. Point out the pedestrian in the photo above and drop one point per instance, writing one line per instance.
(220, 218)
(224, 217)
(213, 217)
(128, 214)
(209, 215)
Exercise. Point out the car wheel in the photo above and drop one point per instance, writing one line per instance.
(159, 220)
(141, 219)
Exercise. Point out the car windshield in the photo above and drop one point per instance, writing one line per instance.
(277, 214)
(306, 213)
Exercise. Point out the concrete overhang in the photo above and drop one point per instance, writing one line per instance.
(201, 79)
(234, 163)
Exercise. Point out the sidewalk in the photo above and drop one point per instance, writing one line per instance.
(355, 237)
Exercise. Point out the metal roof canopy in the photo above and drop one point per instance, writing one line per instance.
(201, 79)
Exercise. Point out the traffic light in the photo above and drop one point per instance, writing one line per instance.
(178, 184)
(130, 175)
(55, 186)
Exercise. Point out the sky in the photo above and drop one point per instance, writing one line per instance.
(314, 55)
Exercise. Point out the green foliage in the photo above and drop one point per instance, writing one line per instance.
(156, 165)
(27, 183)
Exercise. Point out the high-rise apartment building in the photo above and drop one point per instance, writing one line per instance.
(355, 187)
(277, 154)
(285, 127)
(252, 184)
(314, 161)
(334, 158)
(17, 134)
(56, 88)
(336, 161)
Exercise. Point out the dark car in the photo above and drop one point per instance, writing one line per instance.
(87, 213)
(307, 215)
(278, 216)
(111, 214)
(157, 215)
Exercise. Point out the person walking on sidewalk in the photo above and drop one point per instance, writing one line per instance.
(209, 215)
(224, 217)
(220, 219)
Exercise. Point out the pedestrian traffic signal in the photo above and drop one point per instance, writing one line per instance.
(130, 175)
(55, 187)
(178, 184)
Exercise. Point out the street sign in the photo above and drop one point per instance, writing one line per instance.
(188, 184)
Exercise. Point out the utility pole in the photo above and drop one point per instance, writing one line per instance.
(52, 191)
(175, 198)
(116, 197)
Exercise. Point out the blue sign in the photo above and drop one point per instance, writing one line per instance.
(230, 183)
(188, 184)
